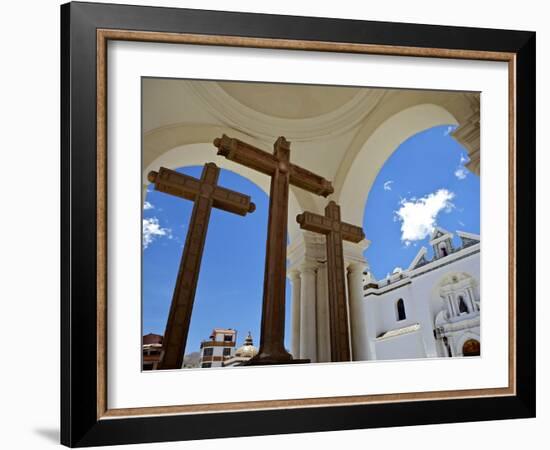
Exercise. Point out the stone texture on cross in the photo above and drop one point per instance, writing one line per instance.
(277, 165)
(206, 194)
(335, 231)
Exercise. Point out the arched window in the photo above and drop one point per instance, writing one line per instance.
(462, 305)
(401, 310)
(443, 249)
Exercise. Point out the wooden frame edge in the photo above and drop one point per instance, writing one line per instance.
(290, 44)
(103, 35)
(101, 191)
(304, 403)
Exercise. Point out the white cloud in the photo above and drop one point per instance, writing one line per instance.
(461, 173)
(418, 216)
(152, 230)
(148, 205)
(387, 185)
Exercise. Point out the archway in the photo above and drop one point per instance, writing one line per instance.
(378, 148)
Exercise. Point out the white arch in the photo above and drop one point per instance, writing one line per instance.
(378, 148)
(198, 154)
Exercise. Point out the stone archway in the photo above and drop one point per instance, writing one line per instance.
(378, 148)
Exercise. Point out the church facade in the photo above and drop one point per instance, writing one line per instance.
(432, 308)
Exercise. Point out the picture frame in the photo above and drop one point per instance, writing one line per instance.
(86, 28)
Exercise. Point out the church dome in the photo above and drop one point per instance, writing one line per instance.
(247, 350)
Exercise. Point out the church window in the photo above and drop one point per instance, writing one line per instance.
(401, 310)
(462, 305)
(444, 251)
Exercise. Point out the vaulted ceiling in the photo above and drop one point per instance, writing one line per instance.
(342, 133)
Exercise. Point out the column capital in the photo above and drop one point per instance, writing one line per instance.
(353, 252)
(293, 274)
(309, 267)
(357, 267)
(467, 134)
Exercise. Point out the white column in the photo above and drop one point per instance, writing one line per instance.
(471, 298)
(308, 328)
(453, 306)
(359, 339)
(295, 283)
(323, 326)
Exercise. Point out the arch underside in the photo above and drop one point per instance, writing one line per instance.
(350, 154)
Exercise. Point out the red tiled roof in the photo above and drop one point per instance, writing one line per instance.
(152, 339)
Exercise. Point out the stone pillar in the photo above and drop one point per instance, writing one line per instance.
(467, 134)
(359, 337)
(295, 282)
(323, 325)
(308, 328)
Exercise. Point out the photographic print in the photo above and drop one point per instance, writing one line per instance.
(299, 224)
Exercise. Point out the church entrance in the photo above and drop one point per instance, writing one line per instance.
(471, 348)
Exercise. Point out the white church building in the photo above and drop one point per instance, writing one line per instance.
(431, 309)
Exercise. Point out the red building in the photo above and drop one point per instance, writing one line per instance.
(152, 348)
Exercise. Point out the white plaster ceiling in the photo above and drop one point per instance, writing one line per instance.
(289, 101)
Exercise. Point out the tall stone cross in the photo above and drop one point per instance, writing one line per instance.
(282, 173)
(335, 231)
(206, 194)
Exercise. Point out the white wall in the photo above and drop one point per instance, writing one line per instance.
(417, 297)
(29, 225)
(406, 346)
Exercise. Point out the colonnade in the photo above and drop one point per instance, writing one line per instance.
(310, 318)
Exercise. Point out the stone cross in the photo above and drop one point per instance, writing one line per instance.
(277, 165)
(335, 231)
(206, 194)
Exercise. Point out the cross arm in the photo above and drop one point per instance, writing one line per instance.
(309, 181)
(187, 187)
(232, 201)
(314, 222)
(352, 233)
(324, 225)
(175, 183)
(246, 154)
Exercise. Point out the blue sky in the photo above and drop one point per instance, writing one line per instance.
(423, 184)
